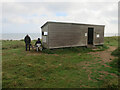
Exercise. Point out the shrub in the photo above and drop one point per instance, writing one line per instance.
(116, 52)
(116, 62)
(113, 83)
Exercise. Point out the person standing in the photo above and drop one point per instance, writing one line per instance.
(27, 40)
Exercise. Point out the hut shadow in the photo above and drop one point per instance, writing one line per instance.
(67, 50)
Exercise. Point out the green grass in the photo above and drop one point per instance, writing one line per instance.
(71, 50)
(116, 62)
(57, 68)
(112, 41)
(116, 52)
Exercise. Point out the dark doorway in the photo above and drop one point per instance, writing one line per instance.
(90, 35)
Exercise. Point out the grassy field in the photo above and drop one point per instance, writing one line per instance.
(59, 68)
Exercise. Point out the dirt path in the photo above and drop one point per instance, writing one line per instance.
(105, 55)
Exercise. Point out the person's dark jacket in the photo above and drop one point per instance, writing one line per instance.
(27, 40)
(38, 42)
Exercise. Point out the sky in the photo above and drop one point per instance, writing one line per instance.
(27, 16)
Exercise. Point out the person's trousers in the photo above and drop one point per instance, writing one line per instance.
(37, 48)
(27, 45)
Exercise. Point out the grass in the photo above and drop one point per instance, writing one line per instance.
(112, 41)
(116, 62)
(57, 68)
(68, 50)
(116, 52)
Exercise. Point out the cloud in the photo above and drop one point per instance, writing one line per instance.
(35, 14)
(18, 20)
(60, 0)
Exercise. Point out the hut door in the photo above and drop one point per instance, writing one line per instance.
(90, 35)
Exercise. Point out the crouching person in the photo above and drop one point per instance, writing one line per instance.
(38, 45)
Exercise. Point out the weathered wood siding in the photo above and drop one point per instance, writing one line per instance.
(45, 29)
(67, 35)
(70, 34)
(98, 30)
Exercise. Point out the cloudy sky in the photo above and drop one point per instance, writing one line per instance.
(29, 16)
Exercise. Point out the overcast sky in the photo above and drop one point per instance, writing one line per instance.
(28, 17)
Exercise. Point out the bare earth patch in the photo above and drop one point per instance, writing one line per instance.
(40, 53)
(105, 55)
(104, 72)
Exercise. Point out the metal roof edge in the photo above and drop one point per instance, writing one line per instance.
(44, 25)
(70, 23)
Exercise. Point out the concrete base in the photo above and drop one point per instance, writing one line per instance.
(91, 46)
